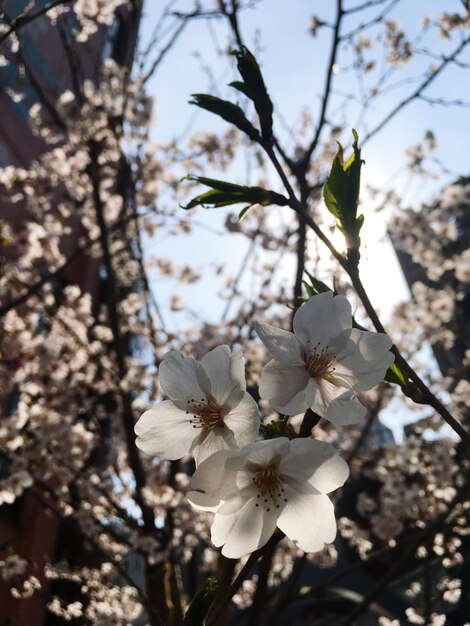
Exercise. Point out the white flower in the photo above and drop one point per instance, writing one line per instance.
(323, 362)
(208, 410)
(267, 484)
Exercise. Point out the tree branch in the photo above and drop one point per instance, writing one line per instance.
(127, 414)
(415, 94)
(328, 82)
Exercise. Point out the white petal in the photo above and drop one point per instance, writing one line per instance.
(308, 520)
(203, 501)
(233, 505)
(209, 474)
(245, 531)
(212, 441)
(183, 378)
(336, 404)
(165, 431)
(321, 318)
(283, 345)
(211, 483)
(284, 386)
(316, 462)
(244, 481)
(258, 453)
(222, 526)
(362, 363)
(244, 421)
(226, 372)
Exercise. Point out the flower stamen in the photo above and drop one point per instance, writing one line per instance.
(206, 413)
(319, 362)
(268, 482)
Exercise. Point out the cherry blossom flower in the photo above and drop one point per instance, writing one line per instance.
(209, 409)
(269, 484)
(323, 362)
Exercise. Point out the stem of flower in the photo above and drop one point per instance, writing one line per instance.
(219, 608)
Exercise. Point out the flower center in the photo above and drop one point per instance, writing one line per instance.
(206, 413)
(319, 361)
(268, 482)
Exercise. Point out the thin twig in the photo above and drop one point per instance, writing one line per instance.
(250, 250)
(415, 94)
(165, 50)
(375, 20)
(428, 396)
(328, 82)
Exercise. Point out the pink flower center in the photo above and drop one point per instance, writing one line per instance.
(318, 361)
(206, 413)
(268, 482)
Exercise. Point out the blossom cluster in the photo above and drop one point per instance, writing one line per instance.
(255, 486)
(432, 237)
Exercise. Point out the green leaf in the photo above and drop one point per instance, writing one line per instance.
(213, 199)
(201, 603)
(396, 376)
(243, 212)
(341, 194)
(226, 194)
(308, 289)
(226, 110)
(317, 285)
(243, 88)
(254, 88)
(221, 185)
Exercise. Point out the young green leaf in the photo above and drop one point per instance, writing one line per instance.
(341, 195)
(396, 376)
(201, 603)
(317, 285)
(243, 212)
(226, 194)
(226, 110)
(254, 88)
(308, 289)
